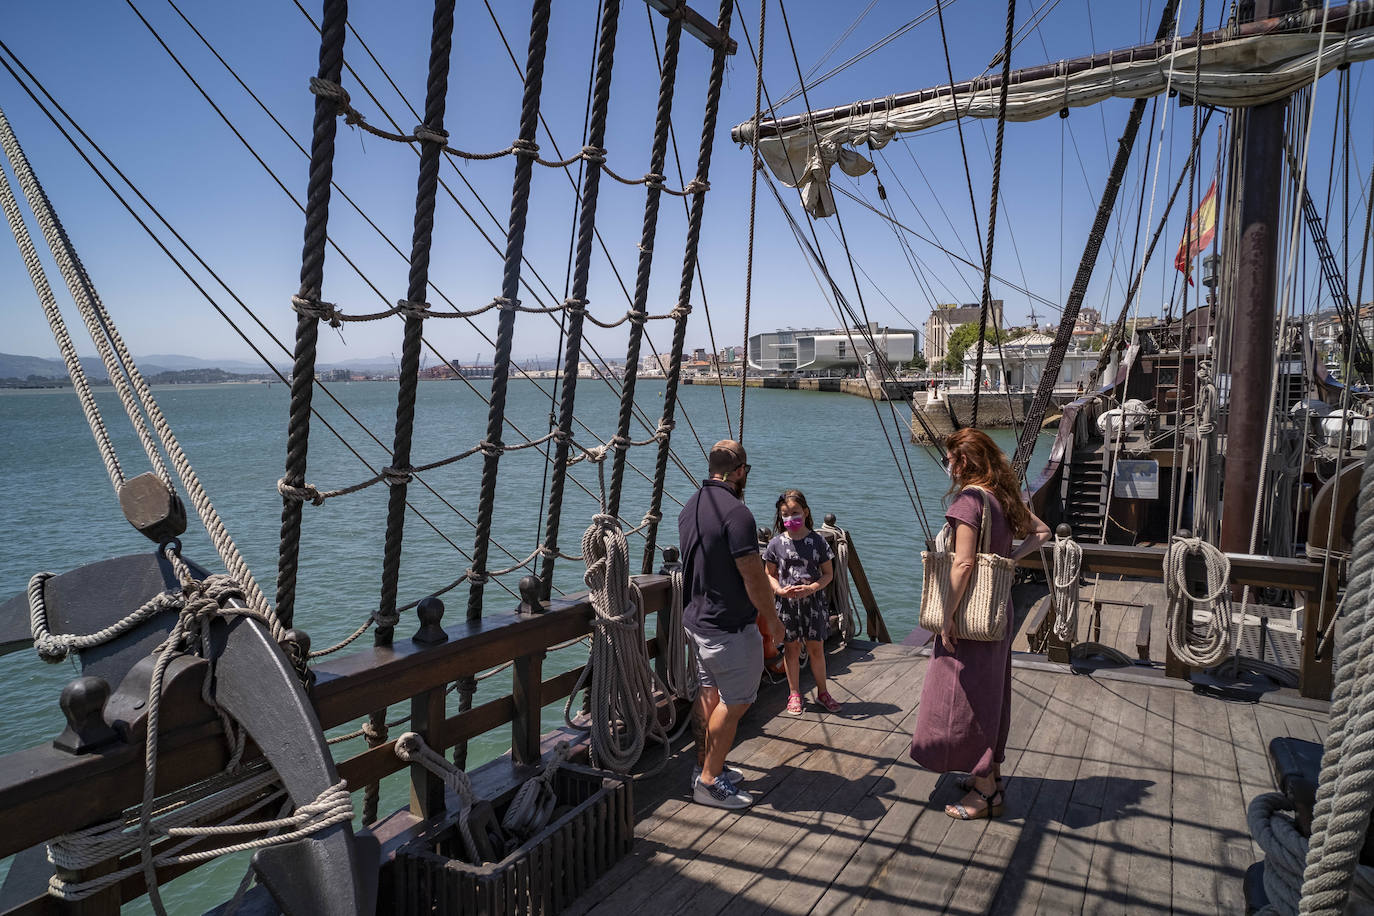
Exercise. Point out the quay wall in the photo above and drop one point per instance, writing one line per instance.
(889, 391)
(995, 411)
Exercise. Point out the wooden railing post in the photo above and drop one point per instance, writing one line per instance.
(664, 620)
(427, 715)
(525, 691)
(1315, 674)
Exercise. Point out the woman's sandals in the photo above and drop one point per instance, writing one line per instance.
(960, 813)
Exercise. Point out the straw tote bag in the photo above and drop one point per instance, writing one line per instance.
(983, 614)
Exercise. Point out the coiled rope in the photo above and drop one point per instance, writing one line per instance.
(1345, 789)
(198, 604)
(624, 711)
(1212, 647)
(1068, 564)
(533, 804)
(681, 670)
(850, 624)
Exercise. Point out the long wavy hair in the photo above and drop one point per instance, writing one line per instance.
(796, 496)
(982, 464)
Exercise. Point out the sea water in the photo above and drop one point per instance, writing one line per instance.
(58, 510)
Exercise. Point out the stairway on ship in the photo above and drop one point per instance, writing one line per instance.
(1083, 497)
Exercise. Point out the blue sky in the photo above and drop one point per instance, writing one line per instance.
(133, 100)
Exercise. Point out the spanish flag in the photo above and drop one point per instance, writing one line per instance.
(1202, 228)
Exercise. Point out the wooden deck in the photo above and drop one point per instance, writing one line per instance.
(1125, 794)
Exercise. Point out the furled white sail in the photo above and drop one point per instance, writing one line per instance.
(1232, 74)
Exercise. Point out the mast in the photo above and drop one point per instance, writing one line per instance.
(1252, 340)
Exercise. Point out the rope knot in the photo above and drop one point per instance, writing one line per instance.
(308, 305)
(593, 154)
(654, 180)
(665, 427)
(637, 318)
(597, 454)
(602, 520)
(575, 306)
(412, 309)
(475, 577)
(527, 148)
(376, 736)
(681, 312)
(386, 619)
(652, 518)
(548, 552)
(561, 435)
(506, 305)
(395, 477)
(697, 186)
(620, 443)
(427, 134)
(492, 449)
(327, 89)
(303, 493)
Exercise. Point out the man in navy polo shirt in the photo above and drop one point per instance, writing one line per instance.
(727, 589)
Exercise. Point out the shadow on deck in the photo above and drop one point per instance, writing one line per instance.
(1123, 795)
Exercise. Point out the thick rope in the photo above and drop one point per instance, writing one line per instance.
(411, 748)
(689, 265)
(80, 383)
(1212, 647)
(586, 229)
(992, 207)
(134, 392)
(205, 600)
(681, 671)
(1345, 788)
(333, 30)
(850, 623)
(618, 676)
(1068, 565)
(510, 288)
(663, 120)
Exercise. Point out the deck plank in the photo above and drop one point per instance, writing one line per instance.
(1125, 795)
(848, 757)
(1124, 788)
(1149, 876)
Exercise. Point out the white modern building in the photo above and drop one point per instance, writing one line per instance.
(1025, 361)
(822, 349)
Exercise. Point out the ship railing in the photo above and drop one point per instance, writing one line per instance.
(45, 791)
(1318, 590)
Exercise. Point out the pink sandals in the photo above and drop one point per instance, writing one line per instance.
(794, 704)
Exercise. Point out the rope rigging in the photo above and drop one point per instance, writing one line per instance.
(1036, 414)
(992, 207)
(812, 248)
(134, 393)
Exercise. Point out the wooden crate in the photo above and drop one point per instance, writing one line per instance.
(541, 877)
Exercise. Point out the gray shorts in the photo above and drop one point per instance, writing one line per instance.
(732, 663)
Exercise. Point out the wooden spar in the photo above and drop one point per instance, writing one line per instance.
(1341, 19)
(1252, 338)
(695, 24)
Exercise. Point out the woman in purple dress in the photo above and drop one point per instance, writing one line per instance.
(965, 709)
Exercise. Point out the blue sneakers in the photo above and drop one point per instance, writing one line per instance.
(721, 794)
(733, 774)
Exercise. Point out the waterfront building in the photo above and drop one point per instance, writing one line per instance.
(946, 318)
(825, 349)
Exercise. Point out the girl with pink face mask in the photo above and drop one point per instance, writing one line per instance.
(799, 564)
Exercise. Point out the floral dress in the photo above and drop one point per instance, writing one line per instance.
(799, 562)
